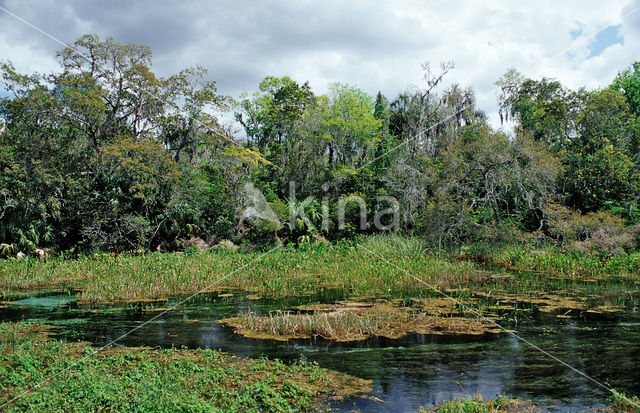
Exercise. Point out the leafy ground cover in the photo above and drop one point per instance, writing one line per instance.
(143, 379)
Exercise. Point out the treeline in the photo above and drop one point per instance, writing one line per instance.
(106, 155)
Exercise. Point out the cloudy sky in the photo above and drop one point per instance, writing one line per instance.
(375, 45)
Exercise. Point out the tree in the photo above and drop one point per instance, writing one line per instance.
(382, 112)
(594, 134)
(486, 179)
(349, 126)
(600, 165)
(132, 93)
(509, 84)
(628, 82)
(188, 124)
(74, 144)
(543, 108)
(105, 154)
(43, 156)
(417, 117)
(268, 118)
(133, 185)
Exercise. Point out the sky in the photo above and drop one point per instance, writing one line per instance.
(374, 45)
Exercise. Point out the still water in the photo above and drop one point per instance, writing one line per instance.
(417, 370)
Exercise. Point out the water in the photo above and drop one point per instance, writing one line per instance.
(417, 370)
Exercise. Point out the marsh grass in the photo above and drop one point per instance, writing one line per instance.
(553, 261)
(107, 278)
(478, 405)
(354, 321)
(104, 278)
(142, 379)
(344, 326)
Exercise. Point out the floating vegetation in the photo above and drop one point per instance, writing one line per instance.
(478, 405)
(548, 303)
(144, 379)
(47, 301)
(354, 321)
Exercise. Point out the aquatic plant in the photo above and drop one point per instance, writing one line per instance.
(143, 379)
(620, 402)
(354, 321)
(357, 270)
(478, 405)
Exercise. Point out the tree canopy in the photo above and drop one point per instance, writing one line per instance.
(104, 154)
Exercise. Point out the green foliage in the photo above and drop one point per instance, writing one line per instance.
(348, 123)
(599, 233)
(594, 135)
(486, 181)
(600, 165)
(147, 380)
(270, 115)
(623, 403)
(106, 155)
(132, 186)
(478, 405)
(201, 205)
(628, 82)
(89, 155)
(606, 174)
(190, 129)
(629, 211)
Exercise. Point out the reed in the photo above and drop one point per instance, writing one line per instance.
(357, 270)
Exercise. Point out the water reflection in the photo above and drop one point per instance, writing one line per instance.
(417, 370)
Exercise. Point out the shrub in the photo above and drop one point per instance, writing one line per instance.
(610, 241)
(595, 233)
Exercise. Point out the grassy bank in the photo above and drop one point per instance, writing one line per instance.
(553, 261)
(137, 379)
(280, 273)
(357, 270)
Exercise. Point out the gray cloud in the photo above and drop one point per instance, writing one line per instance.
(372, 44)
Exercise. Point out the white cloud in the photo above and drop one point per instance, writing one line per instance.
(373, 44)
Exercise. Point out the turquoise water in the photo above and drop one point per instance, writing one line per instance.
(417, 370)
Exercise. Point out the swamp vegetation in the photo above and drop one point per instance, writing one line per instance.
(397, 243)
(147, 379)
(508, 287)
(575, 280)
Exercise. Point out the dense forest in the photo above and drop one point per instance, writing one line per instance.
(105, 155)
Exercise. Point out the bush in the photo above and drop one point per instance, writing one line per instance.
(610, 241)
(594, 233)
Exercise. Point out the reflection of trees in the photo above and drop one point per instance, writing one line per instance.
(603, 351)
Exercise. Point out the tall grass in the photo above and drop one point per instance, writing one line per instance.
(555, 261)
(357, 270)
(103, 278)
(349, 321)
(478, 405)
(341, 325)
